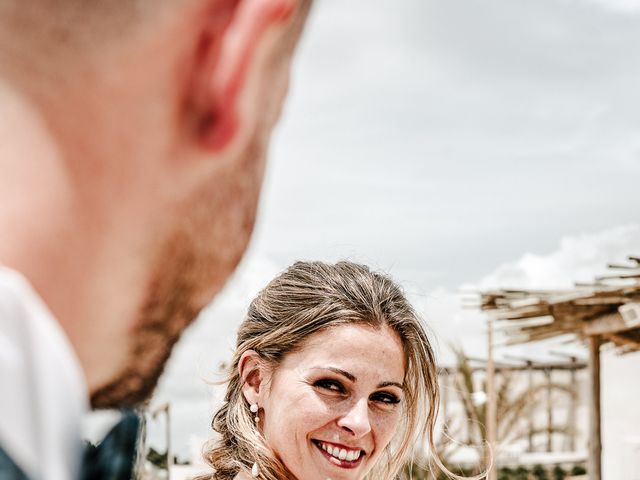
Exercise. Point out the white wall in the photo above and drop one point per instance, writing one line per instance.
(620, 386)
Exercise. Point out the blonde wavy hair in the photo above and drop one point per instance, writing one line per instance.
(305, 299)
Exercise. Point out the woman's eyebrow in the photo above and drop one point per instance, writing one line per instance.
(353, 378)
(391, 384)
(339, 371)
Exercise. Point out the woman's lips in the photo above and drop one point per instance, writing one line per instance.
(335, 456)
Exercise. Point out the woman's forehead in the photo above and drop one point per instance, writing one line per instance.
(352, 346)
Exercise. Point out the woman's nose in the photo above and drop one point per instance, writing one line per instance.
(356, 419)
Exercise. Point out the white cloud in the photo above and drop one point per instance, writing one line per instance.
(578, 259)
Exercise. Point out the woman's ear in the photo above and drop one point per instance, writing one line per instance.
(252, 372)
(228, 59)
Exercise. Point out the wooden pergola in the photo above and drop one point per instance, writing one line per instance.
(606, 311)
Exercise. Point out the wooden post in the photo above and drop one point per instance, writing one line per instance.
(168, 439)
(573, 407)
(547, 374)
(164, 408)
(595, 442)
(532, 411)
(492, 474)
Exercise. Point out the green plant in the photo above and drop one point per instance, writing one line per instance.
(505, 473)
(159, 459)
(559, 473)
(578, 470)
(539, 472)
(521, 473)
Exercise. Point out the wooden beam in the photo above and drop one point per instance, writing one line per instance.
(590, 285)
(568, 312)
(622, 276)
(619, 266)
(602, 300)
(524, 312)
(519, 368)
(491, 426)
(621, 340)
(594, 469)
(532, 337)
(610, 323)
(530, 365)
(532, 301)
(541, 332)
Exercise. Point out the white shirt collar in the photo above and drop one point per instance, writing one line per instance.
(44, 390)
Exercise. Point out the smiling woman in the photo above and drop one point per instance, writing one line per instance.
(333, 377)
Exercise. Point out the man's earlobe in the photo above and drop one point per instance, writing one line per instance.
(230, 52)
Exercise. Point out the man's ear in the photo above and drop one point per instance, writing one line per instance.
(229, 51)
(252, 373)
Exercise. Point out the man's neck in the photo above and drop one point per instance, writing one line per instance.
(35, 199)
(50, 234)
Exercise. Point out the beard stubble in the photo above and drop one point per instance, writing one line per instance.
(212, 232)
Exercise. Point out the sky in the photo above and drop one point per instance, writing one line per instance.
(439, 139)
(450, 143)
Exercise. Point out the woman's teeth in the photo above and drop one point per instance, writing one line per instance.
(341, 453)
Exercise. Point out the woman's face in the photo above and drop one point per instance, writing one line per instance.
(333, 406)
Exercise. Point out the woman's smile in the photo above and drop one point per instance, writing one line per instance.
(340, 455)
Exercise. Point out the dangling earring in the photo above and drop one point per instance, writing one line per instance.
(254, 409)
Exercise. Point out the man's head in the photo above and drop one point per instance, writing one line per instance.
(155, 117)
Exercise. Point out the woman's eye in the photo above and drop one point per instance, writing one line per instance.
(386, 398)
(330, 385)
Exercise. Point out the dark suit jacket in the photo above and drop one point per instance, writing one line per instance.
(8, 469)
(112, 460)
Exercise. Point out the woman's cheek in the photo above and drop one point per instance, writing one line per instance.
(313, 408)
(387, 425)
